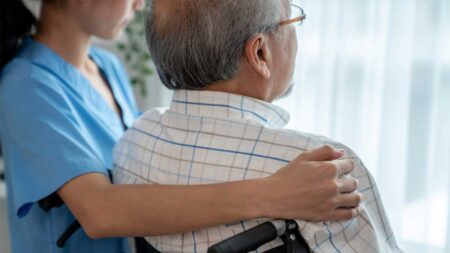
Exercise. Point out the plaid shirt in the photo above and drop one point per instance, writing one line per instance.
(212, 137)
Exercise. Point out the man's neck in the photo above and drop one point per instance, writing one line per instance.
(245, 87)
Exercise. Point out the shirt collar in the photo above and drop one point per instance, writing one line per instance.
(228, 106)
(43, 56)
(46, 58)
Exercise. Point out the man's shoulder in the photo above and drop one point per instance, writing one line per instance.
(279, 142)
(143, 126)
(153, 115)
(303, 141)
(290, 138)
(294, 138)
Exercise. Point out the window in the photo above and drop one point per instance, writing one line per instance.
(375, 75)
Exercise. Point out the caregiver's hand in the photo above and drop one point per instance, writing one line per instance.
(310, 188)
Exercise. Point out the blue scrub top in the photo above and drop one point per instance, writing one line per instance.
(54, 126)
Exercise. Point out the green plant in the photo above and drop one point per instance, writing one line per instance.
(135, 52)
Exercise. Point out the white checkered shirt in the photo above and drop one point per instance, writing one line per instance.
(211, 137)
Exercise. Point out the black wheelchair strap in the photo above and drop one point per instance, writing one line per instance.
(47, 203)
(142, 246)
(68, 233)
(54, 201)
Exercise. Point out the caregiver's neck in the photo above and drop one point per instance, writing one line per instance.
(60, 32)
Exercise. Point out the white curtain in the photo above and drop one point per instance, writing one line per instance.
(375, 75)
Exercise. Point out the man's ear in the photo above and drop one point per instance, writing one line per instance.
(257, 53)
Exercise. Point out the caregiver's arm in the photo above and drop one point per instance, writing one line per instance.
(305, 189)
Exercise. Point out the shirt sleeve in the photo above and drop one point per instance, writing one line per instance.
(45, 144)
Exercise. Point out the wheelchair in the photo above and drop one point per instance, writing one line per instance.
(255, 237)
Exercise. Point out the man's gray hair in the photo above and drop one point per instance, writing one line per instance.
(199, 42)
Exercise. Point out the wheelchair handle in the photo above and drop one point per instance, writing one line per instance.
(251, 239)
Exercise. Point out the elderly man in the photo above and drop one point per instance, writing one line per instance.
(227, 60)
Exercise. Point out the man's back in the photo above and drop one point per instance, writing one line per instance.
(212, 137)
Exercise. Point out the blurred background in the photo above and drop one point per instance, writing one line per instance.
(373, 74)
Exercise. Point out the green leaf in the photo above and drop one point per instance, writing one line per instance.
(127, 57)
(143, 89)
(121, 46)
(135, 47)
(145, 57)
(147, 71)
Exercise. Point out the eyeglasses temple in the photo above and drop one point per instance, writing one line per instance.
(290, 21)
